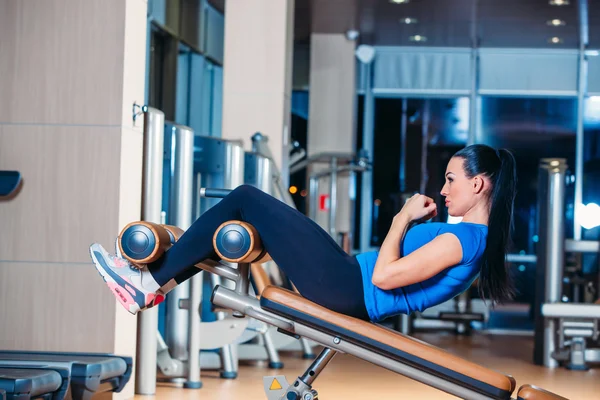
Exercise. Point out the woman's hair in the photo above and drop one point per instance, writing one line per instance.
(495, 281)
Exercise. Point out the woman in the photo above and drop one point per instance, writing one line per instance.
(415, 268)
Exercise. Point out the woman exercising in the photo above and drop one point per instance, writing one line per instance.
(414, 269)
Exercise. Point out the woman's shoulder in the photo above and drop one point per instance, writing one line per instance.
(472, 237)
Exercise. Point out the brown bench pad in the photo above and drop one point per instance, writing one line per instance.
(530, 392)
(389, 343)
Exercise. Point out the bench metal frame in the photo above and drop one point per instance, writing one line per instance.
(242, 304)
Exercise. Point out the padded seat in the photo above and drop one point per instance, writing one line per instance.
(530, 392)
(389, 343)
(32, 383)
(90, 373)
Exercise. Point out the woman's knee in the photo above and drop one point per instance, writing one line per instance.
(246, 190)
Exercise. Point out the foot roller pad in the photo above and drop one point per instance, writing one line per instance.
(275, 386)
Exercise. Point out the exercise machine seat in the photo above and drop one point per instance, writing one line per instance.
(90, 373)
(530, 392)
(389, 343)
(35, 382)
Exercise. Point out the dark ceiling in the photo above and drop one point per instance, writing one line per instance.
(498, 23)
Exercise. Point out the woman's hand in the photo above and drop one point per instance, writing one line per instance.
(418, 208)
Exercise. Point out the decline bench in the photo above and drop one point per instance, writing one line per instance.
(294, 315)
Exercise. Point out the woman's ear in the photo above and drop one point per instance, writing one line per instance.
(478, 184)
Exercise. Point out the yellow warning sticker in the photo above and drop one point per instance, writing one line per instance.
(275, 385)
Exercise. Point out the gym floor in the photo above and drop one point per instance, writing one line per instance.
(350, 378)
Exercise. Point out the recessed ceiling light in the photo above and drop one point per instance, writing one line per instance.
(418, 38)
(556, 22)
(555, 40)
(401, 1)
(559, 2)
(408, 21)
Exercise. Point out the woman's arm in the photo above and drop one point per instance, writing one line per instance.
(392, 271)
(427, 261)
(390, 249)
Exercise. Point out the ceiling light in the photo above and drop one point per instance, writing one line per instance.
(555, 40)
(408, 21)
(418, 38)
(559, 2)
(556, 22)
(404, 1)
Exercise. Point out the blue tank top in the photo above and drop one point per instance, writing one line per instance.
(444, 286)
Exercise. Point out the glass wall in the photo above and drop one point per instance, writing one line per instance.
(414, 140)
(533, 128)
(184, 71)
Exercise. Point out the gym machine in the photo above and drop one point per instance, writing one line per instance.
(564, 331)
(299, 317)
(194, 160)
(261, 172)
(332, 166)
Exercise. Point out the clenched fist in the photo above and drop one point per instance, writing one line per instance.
(418, 208)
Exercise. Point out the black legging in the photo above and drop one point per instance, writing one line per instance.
(319, 268)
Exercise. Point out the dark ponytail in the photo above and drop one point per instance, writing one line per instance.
(495, 280)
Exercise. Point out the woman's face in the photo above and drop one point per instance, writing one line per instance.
(458, 190)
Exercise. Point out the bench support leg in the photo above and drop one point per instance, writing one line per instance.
(302, 387)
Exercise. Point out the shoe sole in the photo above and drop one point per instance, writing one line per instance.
(116, 287)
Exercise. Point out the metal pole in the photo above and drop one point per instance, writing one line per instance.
(260, 145)
(553, 248)
(581, 92)
(366, 207)
(403, 127)
(425, 144)
(154, 122)
(313, 190)
(182, 195)
(317, 366)
(474, 98)
(333, 198)
(176, 324)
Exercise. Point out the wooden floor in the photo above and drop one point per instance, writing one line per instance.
(348, 378)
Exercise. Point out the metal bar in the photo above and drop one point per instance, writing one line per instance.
(220, 270)
(313, 190)
(179, 214)
(260, 145)
(243, 283)
(582, 246)
(578, 332)
(527, 93)
(422, 93)
(318, 366)
(347, 168)
(424, 144)
(419, 375)
(403, 127)
(521, 258)
(571, 310)
(154, 122)
(251, 306)
(550, 254)
(366, 190)
(182, 198)
(579, 324)
(473, 100)
(333, 198)
(582, 79)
